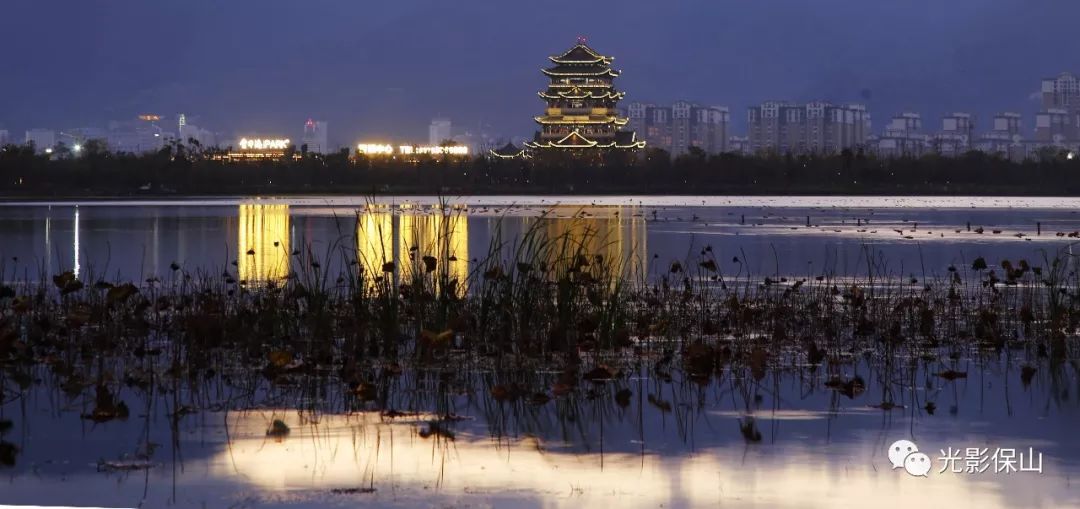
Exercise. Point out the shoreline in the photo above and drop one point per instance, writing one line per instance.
(533, 200)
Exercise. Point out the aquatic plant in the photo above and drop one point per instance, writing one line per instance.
(551, 317)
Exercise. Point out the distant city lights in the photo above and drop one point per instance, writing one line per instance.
(263, 144)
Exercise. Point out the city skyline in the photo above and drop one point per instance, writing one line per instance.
(777, 126)
(723, 54)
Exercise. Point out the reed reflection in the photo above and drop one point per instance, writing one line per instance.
(617, 240)
(263, 242)
(408, 241)
(414, 242)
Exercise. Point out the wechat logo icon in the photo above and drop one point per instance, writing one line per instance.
(905, 454)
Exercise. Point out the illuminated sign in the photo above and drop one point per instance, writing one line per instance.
(374, 149)
(259, 144)
(380, 149)
(150, 118)
(453, 150)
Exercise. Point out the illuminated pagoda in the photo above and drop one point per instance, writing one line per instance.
(509, 151)
(581, 105)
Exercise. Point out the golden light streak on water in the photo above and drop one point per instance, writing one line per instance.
(263, 232)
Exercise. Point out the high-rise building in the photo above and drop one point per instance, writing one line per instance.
(4, 137)
(582, 105)
(316, 136)
(652, 123)
(1061, 92)
(739, 145)
(1055, 126)
(137, 136)
(1007, 123)
(1004, 139)
(956, 136)
(817, 127)
(832, 128)
(439, 131)
(43, 140)
(478, 141)
(1059, 121)
(682, 125)
(187, 132)
(776, 126)
(704, 127)
(903, 137)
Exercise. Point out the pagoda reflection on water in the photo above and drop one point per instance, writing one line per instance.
(404, 236)
(581, 114)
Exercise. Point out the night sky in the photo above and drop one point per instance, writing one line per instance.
(386, 68)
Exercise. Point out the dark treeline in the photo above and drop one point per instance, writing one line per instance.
(181, 170)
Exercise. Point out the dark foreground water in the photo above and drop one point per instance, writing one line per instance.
(653, 438)
(665, 443)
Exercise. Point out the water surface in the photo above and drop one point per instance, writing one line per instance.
(675, 442)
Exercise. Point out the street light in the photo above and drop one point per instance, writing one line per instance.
(1070, 156)
(77, 148)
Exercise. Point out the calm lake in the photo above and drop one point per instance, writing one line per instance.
(649, 439)
(770, 235)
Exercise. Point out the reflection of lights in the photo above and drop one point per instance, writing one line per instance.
(263, 232)
(437, 234)
(620, 240)
(374, 149)
(375, 239)
(76, 257)
(341, 449)
(440, 235)
(443, 234)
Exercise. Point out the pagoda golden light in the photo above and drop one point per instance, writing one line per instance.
(581, 105)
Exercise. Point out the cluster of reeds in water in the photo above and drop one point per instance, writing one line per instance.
(531, 305)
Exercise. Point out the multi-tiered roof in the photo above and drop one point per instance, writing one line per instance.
(581, 104)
